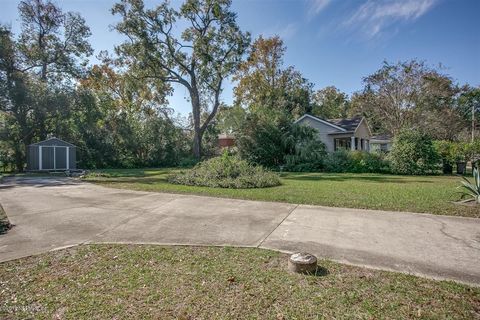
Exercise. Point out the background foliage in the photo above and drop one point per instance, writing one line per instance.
(118, 115)
(413, 152)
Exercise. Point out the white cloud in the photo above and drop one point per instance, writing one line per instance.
(284, 31)
(288, 31)
(373, 17)
(317, 6)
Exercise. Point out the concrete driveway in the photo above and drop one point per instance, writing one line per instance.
(57, 212)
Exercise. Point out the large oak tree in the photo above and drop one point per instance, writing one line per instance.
(53, 43)
(410, 94)
(198, 46)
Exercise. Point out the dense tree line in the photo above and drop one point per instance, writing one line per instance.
(117, 111)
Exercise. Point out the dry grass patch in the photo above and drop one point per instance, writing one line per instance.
(153, 282)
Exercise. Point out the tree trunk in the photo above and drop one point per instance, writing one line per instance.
(197, 144)
(197, 137)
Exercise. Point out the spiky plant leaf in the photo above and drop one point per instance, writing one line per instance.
(472, 190)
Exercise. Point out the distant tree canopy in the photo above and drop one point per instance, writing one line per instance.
(36, 67)
(130, 124)
(52, 43)
(115, 117)
(468, 105)
(330, 103)
(266, 87)
(410, 95)
(117, 111)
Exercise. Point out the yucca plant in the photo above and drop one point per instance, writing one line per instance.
(471, 190)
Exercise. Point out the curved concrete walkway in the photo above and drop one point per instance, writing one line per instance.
(59, 212)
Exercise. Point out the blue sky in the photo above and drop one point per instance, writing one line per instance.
(332, 42)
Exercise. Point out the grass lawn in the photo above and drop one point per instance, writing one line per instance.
(430, 194)
(153, 282)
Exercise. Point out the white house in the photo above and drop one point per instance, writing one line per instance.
(381, 143)
(350, 134)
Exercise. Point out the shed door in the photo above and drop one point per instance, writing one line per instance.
(60, 158)
(47, 158)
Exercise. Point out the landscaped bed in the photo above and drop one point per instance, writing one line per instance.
(226, 171)
(144, 281)
(429, 194)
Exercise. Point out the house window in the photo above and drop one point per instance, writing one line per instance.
(342, 144)
(384, 147)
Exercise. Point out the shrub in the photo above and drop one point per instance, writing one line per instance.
(187, 162)
(446, 152)
(305, 151)
(366, 162)
(357, 162)
(413, 152)
(452, 152)
(337, 161)
(275, 144)
(226, 171)
(261, 142)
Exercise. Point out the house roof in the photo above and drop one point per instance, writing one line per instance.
(320, 120)
(341, 132)
(349, 124)
(382, 137)
(345, 125)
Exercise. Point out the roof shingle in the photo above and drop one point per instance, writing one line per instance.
(349, 124)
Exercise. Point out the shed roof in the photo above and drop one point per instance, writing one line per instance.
(53, 141)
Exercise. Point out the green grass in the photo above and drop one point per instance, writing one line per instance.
(428, 194)
(153, 282)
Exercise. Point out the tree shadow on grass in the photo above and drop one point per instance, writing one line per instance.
(335, 178)
(138, 173)
(139, 180)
